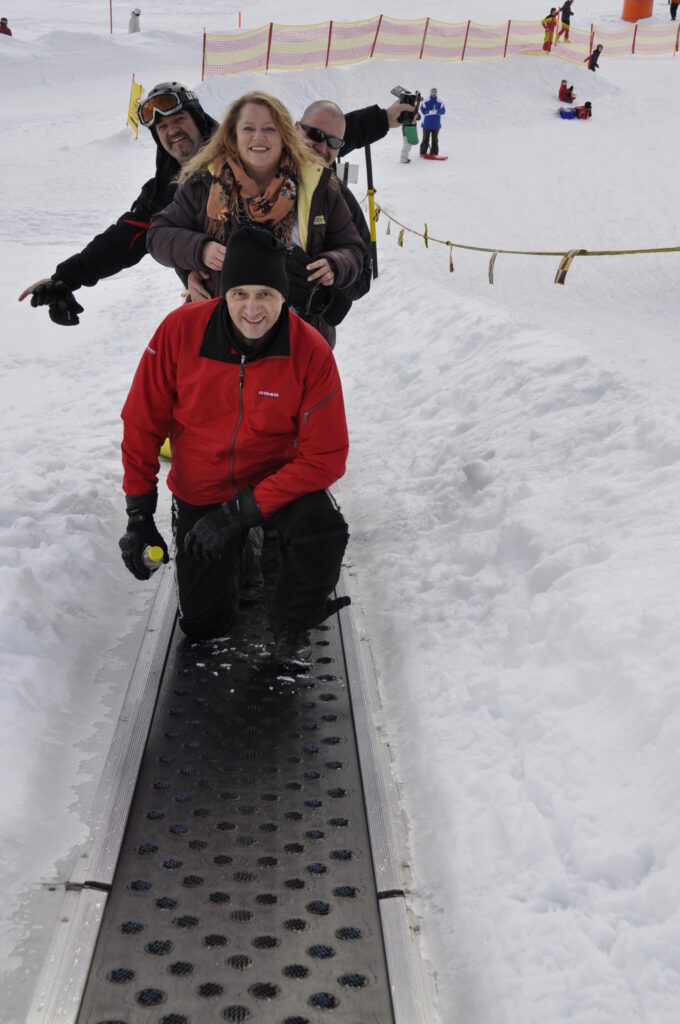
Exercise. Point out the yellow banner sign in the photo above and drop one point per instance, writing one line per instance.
(133, 108)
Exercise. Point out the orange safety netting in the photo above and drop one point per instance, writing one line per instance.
(334, 43)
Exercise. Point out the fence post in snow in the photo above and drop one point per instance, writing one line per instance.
(632, 49)
(203, 61)
(422, 45)
(269, 43)
(375, 40)
(371, 207)
(507, 36)
(467, 30)
(328, 48)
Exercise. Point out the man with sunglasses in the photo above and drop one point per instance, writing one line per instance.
(179, 127)
(322, 127)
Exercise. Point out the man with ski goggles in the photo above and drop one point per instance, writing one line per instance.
(179, 127)
(165, 102)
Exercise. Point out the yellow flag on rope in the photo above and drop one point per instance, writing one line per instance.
(133, 107)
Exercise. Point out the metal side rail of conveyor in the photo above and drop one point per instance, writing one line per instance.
(242, 880)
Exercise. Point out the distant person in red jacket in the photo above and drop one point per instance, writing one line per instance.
(592, 60)
(250, 397)
(577, 113)
(5, 30)
(566, 94)
(549, 23)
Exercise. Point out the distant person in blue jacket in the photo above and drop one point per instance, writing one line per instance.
(432, 111)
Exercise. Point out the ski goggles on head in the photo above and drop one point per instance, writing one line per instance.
(316, 135)
(163, 104)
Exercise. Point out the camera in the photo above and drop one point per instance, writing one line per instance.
(413, 98)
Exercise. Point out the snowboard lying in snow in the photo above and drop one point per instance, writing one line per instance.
(430, 156)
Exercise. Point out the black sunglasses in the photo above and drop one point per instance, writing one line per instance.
(316, 135)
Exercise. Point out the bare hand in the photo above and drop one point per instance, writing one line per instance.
(321, 271)
(195, 286)
(395, 110)
(32, 287)
(213, 255)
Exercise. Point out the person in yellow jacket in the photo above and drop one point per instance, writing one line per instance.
(257, 170)
(549, 24)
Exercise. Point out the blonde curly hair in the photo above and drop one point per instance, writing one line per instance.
(223, 143)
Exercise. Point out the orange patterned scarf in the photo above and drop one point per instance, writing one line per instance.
(234, 198)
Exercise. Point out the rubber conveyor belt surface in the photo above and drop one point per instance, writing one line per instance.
(245, 888)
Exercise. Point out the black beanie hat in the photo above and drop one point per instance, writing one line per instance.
(254, 256)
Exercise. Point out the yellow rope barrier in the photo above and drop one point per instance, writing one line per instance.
(566, 258)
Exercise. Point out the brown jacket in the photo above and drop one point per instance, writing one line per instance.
(179, 232)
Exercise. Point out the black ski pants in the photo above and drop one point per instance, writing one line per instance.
(312, 536)
(427, 132)
(674, 11)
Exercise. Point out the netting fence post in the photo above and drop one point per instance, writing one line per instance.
(328, 48)
(467, 31)
(269, 44)
(677, 41)
(507, 36)
(376, 36)
(203, 61)
(632, 49)
(422, 45)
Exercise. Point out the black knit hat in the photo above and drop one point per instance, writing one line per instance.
(254, 256)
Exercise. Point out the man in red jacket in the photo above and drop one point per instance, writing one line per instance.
(250, 397)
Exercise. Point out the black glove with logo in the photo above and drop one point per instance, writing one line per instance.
(308, 297)
(141, 533)
(58, 296)
(209, 536)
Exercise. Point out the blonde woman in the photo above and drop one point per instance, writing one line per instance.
(257, 170)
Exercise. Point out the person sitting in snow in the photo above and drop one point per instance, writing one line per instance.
(566, 94)
(432, 110)
(5, 30)
(240, 460)
(133, 24)
(179, 127)
(577, 113)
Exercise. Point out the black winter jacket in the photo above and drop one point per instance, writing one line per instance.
(123, 244)
(363, 127)
(342, 299)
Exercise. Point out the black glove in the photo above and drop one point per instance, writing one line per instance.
(209, 536)
(58, 296)
(141, 533)
(308, 297)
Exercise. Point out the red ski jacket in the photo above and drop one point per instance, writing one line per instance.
(274, 421)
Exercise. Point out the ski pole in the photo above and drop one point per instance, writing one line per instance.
(371, 208)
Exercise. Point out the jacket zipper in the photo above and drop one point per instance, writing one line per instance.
(238, 423)
(316, 407)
